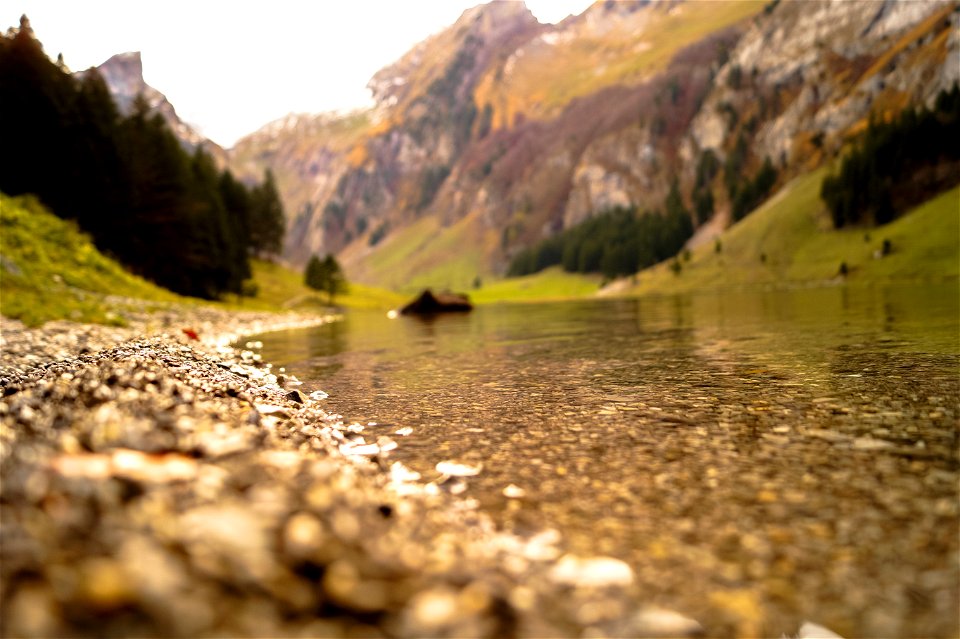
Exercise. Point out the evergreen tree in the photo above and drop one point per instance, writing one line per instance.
(897, 164)
(336, 281)
(266, 217)
(754, 192)
(313, 274)
(237, 201)
(703, 205)
(325, 275)
(618, 242)
(733, 167)
(674, 201)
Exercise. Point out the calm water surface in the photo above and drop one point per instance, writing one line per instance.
(759, 459)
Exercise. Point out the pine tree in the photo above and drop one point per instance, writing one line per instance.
(325, 275)
(267, 223)
(335, 281)
(313, 275)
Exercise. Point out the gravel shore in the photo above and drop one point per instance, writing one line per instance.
(158, 482)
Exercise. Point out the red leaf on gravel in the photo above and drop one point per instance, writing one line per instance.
(192, 334)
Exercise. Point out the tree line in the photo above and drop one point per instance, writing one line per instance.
(618, 242)
(167, 214)
(896, 165)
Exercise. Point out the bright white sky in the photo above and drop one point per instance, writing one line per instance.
(230, 67)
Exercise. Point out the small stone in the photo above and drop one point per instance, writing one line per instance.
(104, 586)
(31, 612)
(432, 610)
(302, 535)
(360, 449)
(296, 396)
(456, 486)
(810, 630)
(659, 622)
(272, 409)
(543, 546)
(595, 572)
(512, 491)
(401, 473)
(453, 469)
(869, 443)
(159, 468)
(386, 444)
(826, 435)
(345, 525)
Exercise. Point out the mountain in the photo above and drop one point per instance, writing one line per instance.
(123, 74)
(501, 131)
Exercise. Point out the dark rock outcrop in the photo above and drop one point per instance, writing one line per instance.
(429, 303)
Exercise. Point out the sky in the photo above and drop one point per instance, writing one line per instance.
(230, 67)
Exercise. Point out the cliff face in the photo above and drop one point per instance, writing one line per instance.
(123, 74)
(500, 131)
(802, 78)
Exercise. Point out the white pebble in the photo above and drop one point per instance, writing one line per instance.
(596, 572)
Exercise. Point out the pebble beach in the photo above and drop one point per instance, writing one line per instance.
(158, 480)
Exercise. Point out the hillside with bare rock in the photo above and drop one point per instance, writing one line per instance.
(501, 131)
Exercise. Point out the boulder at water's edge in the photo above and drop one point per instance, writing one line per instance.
(429, 303)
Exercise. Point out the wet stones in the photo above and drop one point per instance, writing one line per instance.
(297, 397)
(156, 487)
(233, 509)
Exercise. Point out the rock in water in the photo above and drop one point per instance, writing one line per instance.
(429, 303)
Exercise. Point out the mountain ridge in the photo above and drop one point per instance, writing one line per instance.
(123, 74)
(502, 131)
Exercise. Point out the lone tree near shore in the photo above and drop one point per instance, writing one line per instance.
(325, 275)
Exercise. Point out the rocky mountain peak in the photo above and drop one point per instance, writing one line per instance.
(480, 31)
(123, 74)
(497, 15)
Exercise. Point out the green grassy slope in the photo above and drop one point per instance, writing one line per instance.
(551, 284)
(423, 255)
(789, 241)
(280, 288)
(50, 270)
(426, 255)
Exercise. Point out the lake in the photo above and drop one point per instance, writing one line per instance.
(758, 458)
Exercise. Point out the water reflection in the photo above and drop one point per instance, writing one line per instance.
(796, 448)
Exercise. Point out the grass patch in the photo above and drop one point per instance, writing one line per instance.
(551, 284)
(282, 288)
(427, 255)
(789, 241)
(388, 263)
(50, 270)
